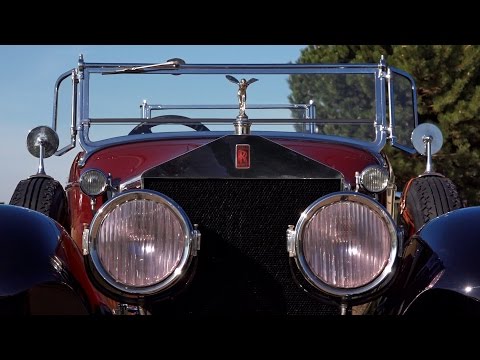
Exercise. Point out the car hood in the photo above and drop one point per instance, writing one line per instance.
(128, 161)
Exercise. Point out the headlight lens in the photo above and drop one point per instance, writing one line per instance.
(93, 182)
(374, 178)
(141, 241)
(345, 243)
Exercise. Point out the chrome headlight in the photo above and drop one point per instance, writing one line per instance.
(374, 178)
(141, 242)
(344, 244)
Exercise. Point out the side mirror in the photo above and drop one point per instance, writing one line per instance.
(427, 140)
(42, 142)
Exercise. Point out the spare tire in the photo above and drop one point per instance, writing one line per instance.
(427, 197)
(45, 195)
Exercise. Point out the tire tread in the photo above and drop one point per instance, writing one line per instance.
(429, 197)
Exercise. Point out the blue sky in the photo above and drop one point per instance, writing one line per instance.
(28, 74)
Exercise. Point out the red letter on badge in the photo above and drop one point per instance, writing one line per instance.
(242, 156)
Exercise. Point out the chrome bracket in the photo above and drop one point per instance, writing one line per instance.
(291, 233)
(86, 233)
(196, 238)
(242, 125)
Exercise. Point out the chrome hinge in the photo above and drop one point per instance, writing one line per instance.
(86, 233)
(385, 129)
(291, 240)
(357, 181)
(196, 237)
(384, 70)
(80, 66)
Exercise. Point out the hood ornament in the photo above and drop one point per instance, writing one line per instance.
(242, 124)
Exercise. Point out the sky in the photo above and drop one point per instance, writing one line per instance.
(27, 78)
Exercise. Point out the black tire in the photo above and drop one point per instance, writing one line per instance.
(429, 197)
(44, 195)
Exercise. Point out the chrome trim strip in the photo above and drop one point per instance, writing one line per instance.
(234, 68)
(381, 120)
(175, 120)
(147, 112)
(84, 107)
(129, 182)
(391, 108)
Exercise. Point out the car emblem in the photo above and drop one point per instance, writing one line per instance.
(242, 156)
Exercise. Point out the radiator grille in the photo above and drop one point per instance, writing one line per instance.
(243, 265)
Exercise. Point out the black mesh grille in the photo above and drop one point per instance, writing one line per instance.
(243, 265)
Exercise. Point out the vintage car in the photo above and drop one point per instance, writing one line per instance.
(187, 200)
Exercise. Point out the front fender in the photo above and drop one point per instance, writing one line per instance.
(455, 239)
(440, 269)
(41, 268)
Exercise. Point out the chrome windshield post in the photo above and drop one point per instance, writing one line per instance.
(311, 113)
(145, 110)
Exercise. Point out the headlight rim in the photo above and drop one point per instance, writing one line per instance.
(303, 266)
(174, 276)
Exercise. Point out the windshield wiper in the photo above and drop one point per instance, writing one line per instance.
(168, 65)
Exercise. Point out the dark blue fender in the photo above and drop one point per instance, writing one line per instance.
(41, 271)
(440, 271)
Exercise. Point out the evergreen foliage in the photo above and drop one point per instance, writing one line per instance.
(448, 90)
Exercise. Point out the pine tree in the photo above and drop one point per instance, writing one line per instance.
(448, 89)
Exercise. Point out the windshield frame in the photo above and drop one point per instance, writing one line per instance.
(81, 94)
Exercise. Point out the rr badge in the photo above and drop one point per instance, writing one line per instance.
(242, 156)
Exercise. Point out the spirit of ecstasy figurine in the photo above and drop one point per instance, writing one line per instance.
(242, 93)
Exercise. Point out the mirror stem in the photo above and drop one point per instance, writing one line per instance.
(41, 168)
(428, 145)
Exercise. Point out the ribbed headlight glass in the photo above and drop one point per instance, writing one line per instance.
(140, 239)
(93, 182)
(140, 243)
(374, 178)
(345, 244)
